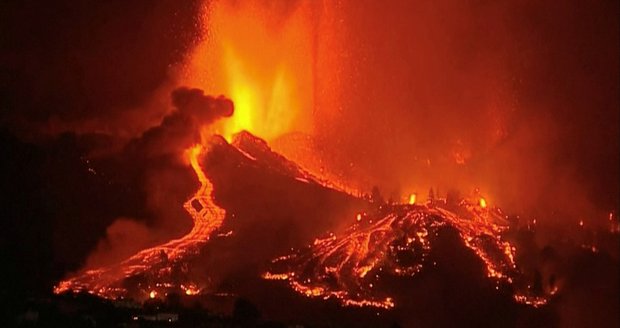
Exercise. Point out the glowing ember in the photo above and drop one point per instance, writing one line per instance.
(398, 243)
(190, 290)
(412, 199)
(483, 202)
(157, 261)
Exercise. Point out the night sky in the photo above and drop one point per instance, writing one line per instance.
(71, 62)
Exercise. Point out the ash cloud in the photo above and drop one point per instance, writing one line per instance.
(181, 128)
(154, 162)
(89, 133)
(85, 117)
(97, 202)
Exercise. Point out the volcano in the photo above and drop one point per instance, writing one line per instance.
(250, 195)
(317, 163)
(248, 174)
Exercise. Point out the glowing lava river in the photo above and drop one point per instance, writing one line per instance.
(354, 267)
(399, 240)
(157, 262)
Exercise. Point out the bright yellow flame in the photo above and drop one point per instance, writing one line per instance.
(191, 290)
(262, 59)
(483, 202)
(152, 294)
(358, 217)
(412, 199)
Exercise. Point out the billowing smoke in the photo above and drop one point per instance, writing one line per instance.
(182, 127)
(103, 68)
(155, 162)
(123, 238)
(517, 98)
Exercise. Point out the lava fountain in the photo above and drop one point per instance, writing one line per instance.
(262, 57)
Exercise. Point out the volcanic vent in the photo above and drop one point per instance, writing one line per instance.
(169, 267)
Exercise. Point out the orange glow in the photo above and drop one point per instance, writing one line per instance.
(412, 199)
(190, 290)
(261, 57)
(342, 266)
(483, 202)
(107, 282)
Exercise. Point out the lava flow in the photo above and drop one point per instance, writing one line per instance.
(158, 261)
(398, 241)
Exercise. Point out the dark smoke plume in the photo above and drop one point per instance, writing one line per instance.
(181, 128)
(154, 162)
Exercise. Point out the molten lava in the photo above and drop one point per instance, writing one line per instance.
(266, 64)
(412, 199)
(397, 242)
(483, 202)
(262, 58)
(157, 262)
